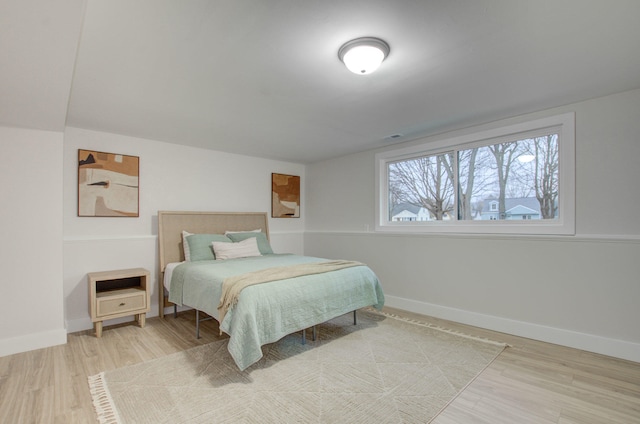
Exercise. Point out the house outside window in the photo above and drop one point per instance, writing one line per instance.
(514, 179)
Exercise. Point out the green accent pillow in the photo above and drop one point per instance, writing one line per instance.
(200, 248)
(263, 244)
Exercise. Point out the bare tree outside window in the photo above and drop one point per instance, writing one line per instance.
(467, 171)
(426, 181)
(474, 182)
(512, 175)
(504, 154)
(546, 174)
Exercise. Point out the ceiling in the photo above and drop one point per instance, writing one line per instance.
(263, 78)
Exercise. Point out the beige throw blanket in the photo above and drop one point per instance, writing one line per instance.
(232, 286)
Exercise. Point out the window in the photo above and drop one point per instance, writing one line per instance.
(513, 179)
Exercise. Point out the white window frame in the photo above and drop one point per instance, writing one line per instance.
(565, 223)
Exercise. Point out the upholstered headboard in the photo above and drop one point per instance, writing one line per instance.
(172, 223)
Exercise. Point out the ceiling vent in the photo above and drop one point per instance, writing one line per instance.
(393, 137)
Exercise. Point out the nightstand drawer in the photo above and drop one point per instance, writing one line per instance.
(109, 303)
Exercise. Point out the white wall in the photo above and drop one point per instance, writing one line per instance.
(31, 315)
(581, 291)
(172, 177)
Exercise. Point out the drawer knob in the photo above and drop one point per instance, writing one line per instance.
(122, 304)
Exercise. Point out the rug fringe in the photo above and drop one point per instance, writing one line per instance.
(102, 402)
(438, 328)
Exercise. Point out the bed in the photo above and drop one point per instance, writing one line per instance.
(261, 313)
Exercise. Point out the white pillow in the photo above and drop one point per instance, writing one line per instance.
(259, 230)
(185, 245)
(241, 249)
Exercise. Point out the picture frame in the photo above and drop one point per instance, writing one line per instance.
(285, 196)
(108, 184)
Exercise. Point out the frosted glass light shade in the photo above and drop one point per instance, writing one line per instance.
(363, 55)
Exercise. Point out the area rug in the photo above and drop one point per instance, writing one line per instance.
(385, 369)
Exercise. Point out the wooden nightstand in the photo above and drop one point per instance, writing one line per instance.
(119, 293)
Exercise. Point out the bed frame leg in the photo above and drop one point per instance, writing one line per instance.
(175, 310)
(313, 337)
(355, 319)
(197, 324)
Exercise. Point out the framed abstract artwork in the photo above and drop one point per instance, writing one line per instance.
(108, 184)
(285, 196)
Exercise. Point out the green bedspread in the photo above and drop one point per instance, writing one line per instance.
(267, 312)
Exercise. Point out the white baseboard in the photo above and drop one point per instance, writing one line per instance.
(82, 324)
(591, 343)
(32, 342)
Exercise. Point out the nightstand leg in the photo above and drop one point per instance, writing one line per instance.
(99, 329)
(141, 319)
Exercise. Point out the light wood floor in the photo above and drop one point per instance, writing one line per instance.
(530, 382)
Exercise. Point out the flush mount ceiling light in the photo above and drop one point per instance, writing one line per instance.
(526, 158)
(363, 55)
